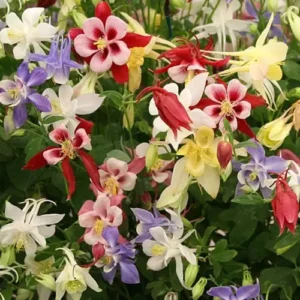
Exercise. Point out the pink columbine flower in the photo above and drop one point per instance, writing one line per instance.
(95, 216)
(115, 178)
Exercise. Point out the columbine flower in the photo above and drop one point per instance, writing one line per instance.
(105, 42)
(255, 173)
(11, 273)
(201, 160)
(69, 148)
(164, 248)
(95, 216)
(231, 103)
(28, 228)
(176, 114)
(285, 205)
(16, 94)
(230, 292)
(118, 256)
(73, 279)
(115, 177)
(223, 24)
(66, 106)
(27, 32)
(58, 61)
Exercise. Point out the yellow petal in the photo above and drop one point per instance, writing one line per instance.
(210, 181)
(184, 150)
(274, 72)
(135, 78)
(262, 38)
(204, 137)
(134, 24)
(195, 168)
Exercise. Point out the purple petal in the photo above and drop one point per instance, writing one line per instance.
(37, 77)
(111, 235)
(50, 70)
(276, 32)
(23, 72)
(275, 164)
(266, 192)
(143, 237)
(248, 292)
(129, 273)
(223, 292)
(236, 165)
(37, 57)
(257, 153)
(20, 115)
(143, 215)
(61, 75)
(109, 277)
(251, 10)
(40, 102)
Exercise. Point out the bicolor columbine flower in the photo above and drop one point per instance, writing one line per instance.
(118, 256)
(256, 174)
(58, 61)
(223, 24)
(18, 93)
(73, 279)
(248, 292)
(177, 117)
(201, 160)
(26, 32)
(95, 216)
(232, 103)
(105, 43)
(163, 248)
(28, 228)
(67, 106)
(70, 147)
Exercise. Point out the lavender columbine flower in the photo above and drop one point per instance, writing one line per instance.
(121, 255)
(232, 293)
(255, 173)
(16, 94)
(58, 61)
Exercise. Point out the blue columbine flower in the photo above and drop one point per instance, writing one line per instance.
(16, 94)
(58, 61)
(256, 173)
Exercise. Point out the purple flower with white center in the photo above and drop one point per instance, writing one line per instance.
(118, 255)
(148, 221)
(16, 94)
(58, 61)
(232, 293)
(256, 173)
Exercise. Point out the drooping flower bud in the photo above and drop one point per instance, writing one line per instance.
(151, 156)
(247, 278)
(47, 281)
(291, 17)
(224, 153)
(191, 274)
(23, 294)
(171, 296)
(128, 117)
(79, 17)
(198, 288)
(98, 251)
(296, 116)
(272, 6)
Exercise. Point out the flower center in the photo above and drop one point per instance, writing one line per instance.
(14, 93)
(101, 44)
(253, 176)
(226, 108)
(157, 165)
(136, 58)
(99, 226)
(105, 260)
(158, 250)
(68, 150)
(111, 185)
(56, 106)
(75, 286)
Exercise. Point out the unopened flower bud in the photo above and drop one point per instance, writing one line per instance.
(151, 156)
(7, 256)
(128, 117)
(98, 251)
(272, 6)
(224, 153)
(296, 116)
(294, 20)
(79, 17)
(177, 3)
(198, 288)
(146, 201)
(247, 278)
(86, 85)
(253, 28)
(23, 294)
(295, 92)
(191, 274)
(171, 296)
(47, 281)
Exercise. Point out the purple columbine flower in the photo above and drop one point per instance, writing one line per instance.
(118, 255)
(256, 173)
(16, 94)
(232, 293)
(58, 61)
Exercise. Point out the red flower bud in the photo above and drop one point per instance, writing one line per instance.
(224, 153)
(285, 206)
(98, 251)
(45, 3)
(289, 155)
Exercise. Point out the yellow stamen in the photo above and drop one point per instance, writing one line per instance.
(157, 165)
(105, 260)
(56, 106)
(158, 250)
(99, 226)
(13, 93)
(136, 58)
(112, 186)
(191, 75)
(253, 176)
(75, 286)
(226, 108)
(68, 149)
(101, 44)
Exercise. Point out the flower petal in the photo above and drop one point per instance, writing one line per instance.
(129, 273)
(115, 28)
(84, 46)
(93, 28)
(40, 102)
(119, 52)
(136, 40)
(38, 161)
(88, 103)
(59, 135)
(116, 167)
(248, 292)
(69, 176)
(242, 109)
(210, 181)
(101, 61)
(53, 156)
(102, 11)
(81, 140)
(127, 182)
(236, 91)
(216, 92)
(223, 292)
(120, 73)
(20, 115)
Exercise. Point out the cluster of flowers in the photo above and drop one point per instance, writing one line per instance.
(196, 118)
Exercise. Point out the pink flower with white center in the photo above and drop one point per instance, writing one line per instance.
(227, 102)
(95, 216)
(103, 43)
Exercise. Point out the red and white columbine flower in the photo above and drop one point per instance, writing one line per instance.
(95, 216)
(232, 103)
(104, 43)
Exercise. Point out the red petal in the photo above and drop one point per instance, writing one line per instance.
(289, 155)
(37, 161)
(203, 103)
(136, 40)
(120, 73)
(45, 3)
(255, 101)
(245, 128)
(136, 165)
(73, 32)
(85, 124)
(69, 176)
(91, 168)
(103, 11)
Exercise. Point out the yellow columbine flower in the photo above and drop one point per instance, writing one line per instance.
(200, 152)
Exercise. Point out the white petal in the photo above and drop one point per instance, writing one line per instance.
(32, 15)
(13, 212)
(38, 237)
(210, 181)
(200, 118)
(159, 234)
(152, 108)
(88, 103)
(48, 219)
(156, 263)
(14, 22)
(141, 149)
(188, 254)
(196, 86)
(30, 245)
(185, 98)
(47, 231)
(172, 88)
(160, 125)
(90, 281)
(147, 247)
(20, 50)
(43, 32)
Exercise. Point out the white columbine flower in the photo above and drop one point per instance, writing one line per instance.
(28, 228)
(73, 279)
(26, 32)
(66, 106)
(163, 248)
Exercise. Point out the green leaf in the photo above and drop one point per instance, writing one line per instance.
(245, 144)
(208, 231)
(291, 69)
(34, 146)
(248, 199)
(74, 232)
(224, 256)
(119, 154)
(220, 246)
(286, 242)
(52, 119)
(114, 97)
